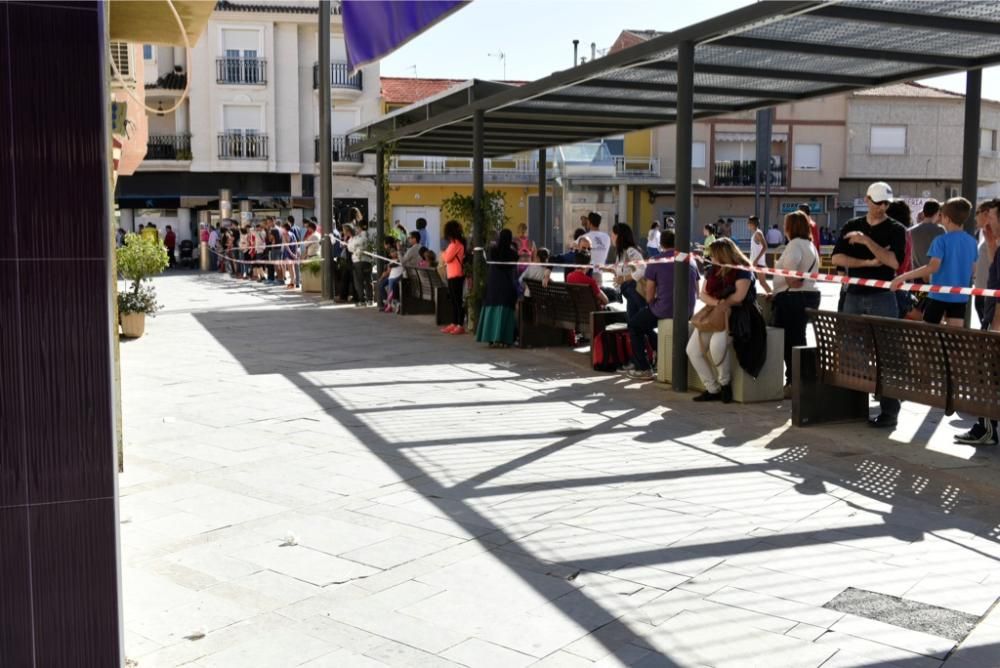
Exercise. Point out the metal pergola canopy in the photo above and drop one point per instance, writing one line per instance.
(759, 56)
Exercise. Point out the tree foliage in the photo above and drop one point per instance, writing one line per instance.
(138, 260)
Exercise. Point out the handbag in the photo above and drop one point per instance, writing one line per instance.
(712, 318)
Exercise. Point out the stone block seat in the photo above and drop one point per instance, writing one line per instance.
(768, 386)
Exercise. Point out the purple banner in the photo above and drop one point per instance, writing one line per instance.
(375, 28)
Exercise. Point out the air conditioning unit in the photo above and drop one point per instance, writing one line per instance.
(953, 191)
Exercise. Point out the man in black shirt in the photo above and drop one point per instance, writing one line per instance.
(873, 246)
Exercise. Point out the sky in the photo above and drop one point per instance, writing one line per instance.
(536, 38)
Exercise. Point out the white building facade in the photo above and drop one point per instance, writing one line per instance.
(250, 122)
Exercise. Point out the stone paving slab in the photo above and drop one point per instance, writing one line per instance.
(309, 485)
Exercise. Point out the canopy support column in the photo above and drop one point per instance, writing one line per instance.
(636, 207)
(380, 211)
(325, 157)
(970, 142)
(544, 228)
(478, 213)
(683, 206)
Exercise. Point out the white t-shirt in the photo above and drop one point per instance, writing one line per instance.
(653, 239)
(631, 265)
(799, 255)
(774, 237)
(534, 272)
(600, 244)
(396, 271)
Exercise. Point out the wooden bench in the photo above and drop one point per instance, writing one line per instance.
(950, 368)
(423, 292)
(552, 312)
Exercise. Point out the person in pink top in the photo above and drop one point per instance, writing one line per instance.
(454, 258)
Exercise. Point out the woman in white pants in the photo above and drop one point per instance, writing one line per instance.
(723, 285)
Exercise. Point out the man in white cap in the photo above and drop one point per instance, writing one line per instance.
(873, 247)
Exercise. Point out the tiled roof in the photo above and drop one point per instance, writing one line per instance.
(629, 38)
(272, 7)
(407, 90)
(171, 81)
(909, 89)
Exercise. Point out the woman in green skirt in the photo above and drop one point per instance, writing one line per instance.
(497, 319)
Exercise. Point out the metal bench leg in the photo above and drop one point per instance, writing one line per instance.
(814, 402)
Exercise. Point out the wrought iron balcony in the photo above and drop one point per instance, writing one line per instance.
(340, 77)
(237, 145)
(741, 173)
(168, 147)
(338, 151)
(243, 71)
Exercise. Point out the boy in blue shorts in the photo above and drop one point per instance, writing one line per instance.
(951, 261)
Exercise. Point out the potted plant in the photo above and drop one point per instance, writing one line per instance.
(312, 275)
(138, 260)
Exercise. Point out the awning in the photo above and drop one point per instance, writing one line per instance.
(152, 22)
(755, 57)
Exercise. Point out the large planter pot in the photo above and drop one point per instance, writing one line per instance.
(133, 324)
(312, 282)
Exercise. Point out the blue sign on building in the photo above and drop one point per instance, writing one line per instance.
(814, 206)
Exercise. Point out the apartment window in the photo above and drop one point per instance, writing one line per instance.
(243, 137)
(241, 62)
(988, 142)
(888, 140)
(616, 145)
(147, 51)
(121, 54)
(806, 157)
(698, 155)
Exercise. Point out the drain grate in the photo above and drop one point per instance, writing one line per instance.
(912, 615)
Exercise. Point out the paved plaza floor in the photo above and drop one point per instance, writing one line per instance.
(333, 487)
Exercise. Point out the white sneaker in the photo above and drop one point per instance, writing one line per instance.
(644, 374)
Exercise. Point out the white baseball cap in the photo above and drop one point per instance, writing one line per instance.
(879, 192)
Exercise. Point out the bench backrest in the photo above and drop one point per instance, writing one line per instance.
(562, 304)
(428, 280)
(947, 367)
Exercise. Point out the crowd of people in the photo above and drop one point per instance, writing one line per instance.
(884, 244)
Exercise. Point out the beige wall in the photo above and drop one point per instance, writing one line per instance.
(934, 131)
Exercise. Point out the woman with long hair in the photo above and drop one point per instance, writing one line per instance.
(454, 258)
(792, 296)
(724, 287)
(497, 319)
(628, 267)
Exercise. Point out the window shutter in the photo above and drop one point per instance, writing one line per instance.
(121, 55)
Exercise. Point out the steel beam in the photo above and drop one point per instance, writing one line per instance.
(683, 201)
(921, 57)
(970, 142)
(325, 146)
(909, 19)
(545, 229)
(380, 219)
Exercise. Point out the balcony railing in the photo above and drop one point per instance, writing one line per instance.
(741, 173)
(168, 147)
(435, 165)
(340, 77)
(339, 152)
(236, 70)
(628, 166)
(238, 145)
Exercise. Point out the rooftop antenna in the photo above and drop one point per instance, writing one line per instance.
(503, 60)
(414, 68)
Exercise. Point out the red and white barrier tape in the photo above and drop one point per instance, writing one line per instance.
(815, 276)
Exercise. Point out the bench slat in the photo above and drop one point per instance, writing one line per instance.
(846, 351)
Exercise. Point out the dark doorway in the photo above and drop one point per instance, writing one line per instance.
(340, 207)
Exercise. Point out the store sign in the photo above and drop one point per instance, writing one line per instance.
(915, 203)
(814, 207)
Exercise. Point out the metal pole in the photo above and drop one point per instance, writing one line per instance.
(636, 205)
(380, 210)
(970, 143)
(683, 205)
(544, 227)
(325, 156)
(478, 223)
